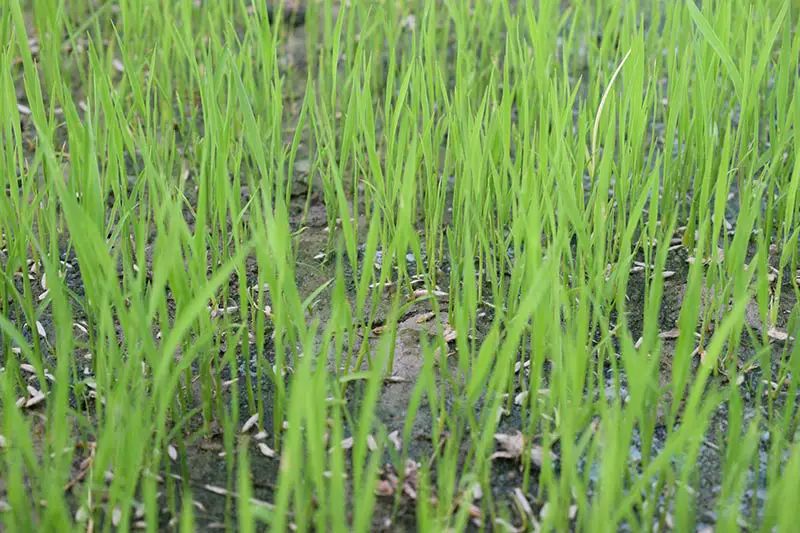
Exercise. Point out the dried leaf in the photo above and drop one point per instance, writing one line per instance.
(371, 443)
(172, 452)
(261, 435)
(40, 330)
(513, 446)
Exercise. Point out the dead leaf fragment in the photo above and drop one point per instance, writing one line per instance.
(513, 445)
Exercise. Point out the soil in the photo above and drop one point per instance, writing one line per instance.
(202, 454)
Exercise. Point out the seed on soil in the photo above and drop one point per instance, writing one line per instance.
(82, 514)
(523, 504)
(394, 438)
(265, 450)
(116, 516)
(670, 334)
(250, 423)
(36, 397)
(778, 335)
(371, 443)
(520, 398)
(172, 452)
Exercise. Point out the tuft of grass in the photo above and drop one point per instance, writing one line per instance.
(428, 265)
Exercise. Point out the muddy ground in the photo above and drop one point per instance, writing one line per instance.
(202, 454)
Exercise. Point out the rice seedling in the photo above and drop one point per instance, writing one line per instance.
(356, 266)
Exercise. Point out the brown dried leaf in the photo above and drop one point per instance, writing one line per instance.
(512, 445)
